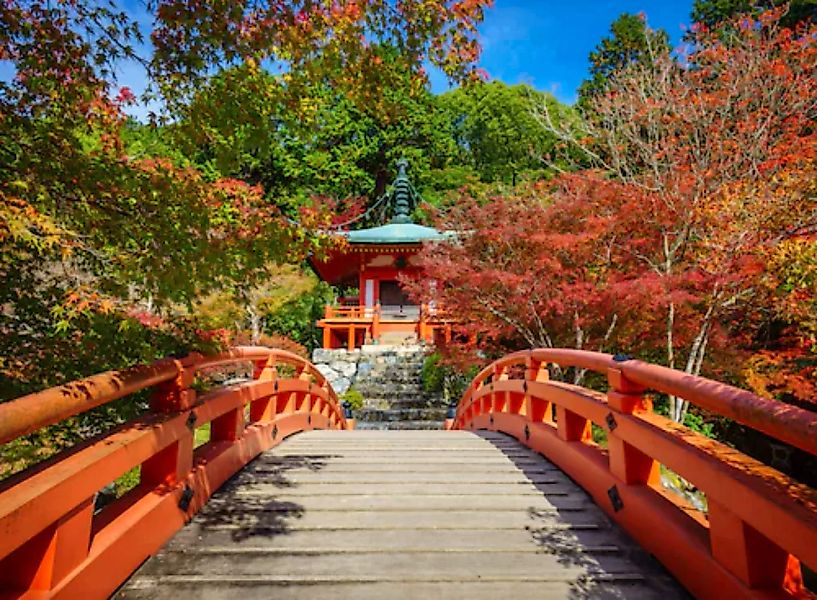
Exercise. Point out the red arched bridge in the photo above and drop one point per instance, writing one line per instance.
(517, 499)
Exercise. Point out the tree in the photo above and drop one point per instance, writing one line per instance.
(96, 223)
(714, 13)
(498, 133)
(529, 272)
(309, 39)
(630, 41)
(719, 160)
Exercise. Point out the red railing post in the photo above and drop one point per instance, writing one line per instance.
(171, 464)
(422, 327)
(748, 554)
(627, 463)
(177, 394)
(263, 409)
(571, 427)
(51, 555)
(538, 410)
(376, 322)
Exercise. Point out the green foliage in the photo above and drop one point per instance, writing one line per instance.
(440, 378)
(243, 124)
(296, 318)
(630, 41)
(599, 435)
(697, 422)
(499, 131)
(353, 397)
(433, 374)
(127, 482)
(696, 419)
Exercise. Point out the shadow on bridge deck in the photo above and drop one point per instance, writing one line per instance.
(401, 514)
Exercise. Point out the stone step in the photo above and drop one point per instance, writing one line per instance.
(418, 405)
(390, 387)
(381, 400)
(401, 414)
(399, 425)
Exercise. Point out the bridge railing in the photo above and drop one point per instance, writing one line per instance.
(53, 543)
(759, 523)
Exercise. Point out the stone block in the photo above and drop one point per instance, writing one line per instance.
(364, 369)
(341, 384)
(327, 372)
(347, 369)
(320, 355)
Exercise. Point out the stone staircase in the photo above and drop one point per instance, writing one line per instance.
(393, 396)
(390, 380)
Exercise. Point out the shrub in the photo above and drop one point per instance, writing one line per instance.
(445, 379)
(353, 397)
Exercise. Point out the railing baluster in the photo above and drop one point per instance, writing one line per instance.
(748, 554)
(229, 426)
(627, 463)
(41, 563)
(171, 464)
(572, 427)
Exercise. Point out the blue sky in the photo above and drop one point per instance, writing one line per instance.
(546, 42)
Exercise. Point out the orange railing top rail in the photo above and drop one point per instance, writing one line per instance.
(32, 412)
(787, 423)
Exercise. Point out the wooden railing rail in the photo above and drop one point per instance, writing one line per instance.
(53, 543)
(759, 524)
(351, 312)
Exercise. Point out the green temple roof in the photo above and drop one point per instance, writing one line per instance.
(401, 229)
(395, 233)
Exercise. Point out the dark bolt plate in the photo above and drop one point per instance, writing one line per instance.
(187, 497)
(615, 499)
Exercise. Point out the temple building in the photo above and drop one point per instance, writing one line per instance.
(372, 261)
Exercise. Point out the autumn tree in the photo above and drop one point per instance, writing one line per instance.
(721, 153)
(526, 272)
(94, 230)
(630, 41)
(713, 13)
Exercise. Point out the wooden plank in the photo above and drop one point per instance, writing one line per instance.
(400, 514)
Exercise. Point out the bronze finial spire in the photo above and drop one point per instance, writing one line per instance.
(402, 195)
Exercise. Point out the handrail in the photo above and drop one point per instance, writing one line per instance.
(787, 423)
(53, 542)
(351, 312)
(759, 524)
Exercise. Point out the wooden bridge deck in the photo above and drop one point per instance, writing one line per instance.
(401, 514)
